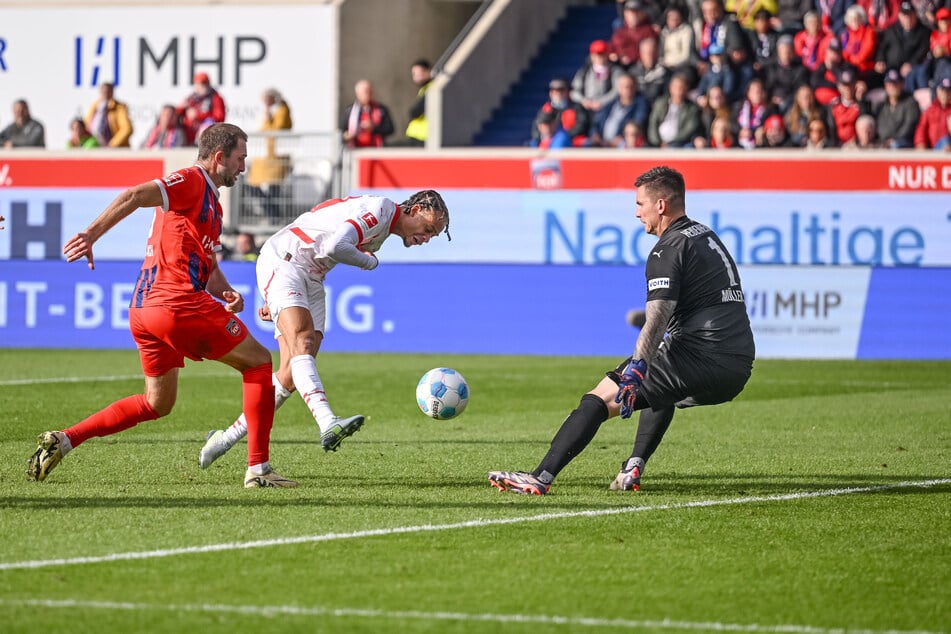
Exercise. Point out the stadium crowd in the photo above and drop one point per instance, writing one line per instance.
(759, 74)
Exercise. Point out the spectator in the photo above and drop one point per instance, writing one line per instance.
(551, 136)
(593, 85)
(784, 75)
(674, 120)
(719, 28)
(943, 144)
(940, 42)
(763, 40)
(367, 122)
(634, 136)
(881, 13)
(167, 131)
(898, 115)
(719, 74)
(865, 137)
(626, 39)
(832, 14)
(245, 248)
(418, 129)
(650, 76)
(818, 138)
(858, 45)
(276, 111)
(810, 43)
(751, 113)
(609, 122)
(721, 134)
(108, 119)
(678, 45)
(772, 134)
(803, 111)
(825, 80)
(747, 11)
(714, 105)
(933, 124)
(25, 131)
(570, 115)
(266, 174)
(79, 136)
(201, 108)
(904, 45)
(845, 109)
(789, 17)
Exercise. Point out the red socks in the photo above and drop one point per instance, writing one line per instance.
(121, 415)
(258, 399)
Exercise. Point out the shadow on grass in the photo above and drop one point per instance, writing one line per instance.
(680, 487)
(704, 486)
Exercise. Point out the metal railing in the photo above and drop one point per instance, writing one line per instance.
(287, 174)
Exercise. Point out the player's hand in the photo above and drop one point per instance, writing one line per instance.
(234, 303)
(265, 313)
(79, 246)
(631, 379)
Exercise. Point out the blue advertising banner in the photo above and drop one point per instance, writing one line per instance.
(796, 312)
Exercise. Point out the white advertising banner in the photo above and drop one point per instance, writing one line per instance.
(56, 59)
(770, 228)
(805, 312)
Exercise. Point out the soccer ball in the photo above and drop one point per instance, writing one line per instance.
(442, 393)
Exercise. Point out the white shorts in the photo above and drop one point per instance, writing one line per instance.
(283, 284)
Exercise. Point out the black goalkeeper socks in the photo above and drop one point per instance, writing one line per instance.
(651, 427)
(575, 434)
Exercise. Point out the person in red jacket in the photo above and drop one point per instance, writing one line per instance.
(846, 108)
(933, 123)
(201, 108)
(366, 122)
(626, 39)
(811, 42)
(858, 45)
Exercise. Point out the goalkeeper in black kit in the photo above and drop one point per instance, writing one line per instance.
(695, 348)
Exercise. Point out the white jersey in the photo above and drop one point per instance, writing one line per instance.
(306, 241)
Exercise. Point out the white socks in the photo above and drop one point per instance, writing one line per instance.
(239, 429)
(307, 381)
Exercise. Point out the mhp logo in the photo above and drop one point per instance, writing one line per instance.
(95, 57)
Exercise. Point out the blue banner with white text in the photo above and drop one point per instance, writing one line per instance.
(796, 311)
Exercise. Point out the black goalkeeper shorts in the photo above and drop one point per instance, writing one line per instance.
(685, 377)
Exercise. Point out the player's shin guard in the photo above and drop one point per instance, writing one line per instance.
(258, 400)
(119, 416)
(575, 434)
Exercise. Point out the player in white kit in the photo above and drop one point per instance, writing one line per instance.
(290, 271)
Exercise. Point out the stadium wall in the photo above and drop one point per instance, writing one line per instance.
(848, 257)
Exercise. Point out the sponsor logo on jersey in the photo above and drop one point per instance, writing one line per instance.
(657, 253)
(233, 327)
(370, 220)
(731, 295)
(658, 282)
(173, 179)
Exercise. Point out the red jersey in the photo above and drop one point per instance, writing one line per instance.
(185, 234)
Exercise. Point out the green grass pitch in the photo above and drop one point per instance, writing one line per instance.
(817, 502)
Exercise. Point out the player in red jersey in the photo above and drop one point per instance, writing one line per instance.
(173, 313)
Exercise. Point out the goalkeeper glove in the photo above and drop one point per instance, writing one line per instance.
(631, 379)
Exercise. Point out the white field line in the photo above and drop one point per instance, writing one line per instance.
(70, 379)
(539, 619)
(90, 379)
(477, 523)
